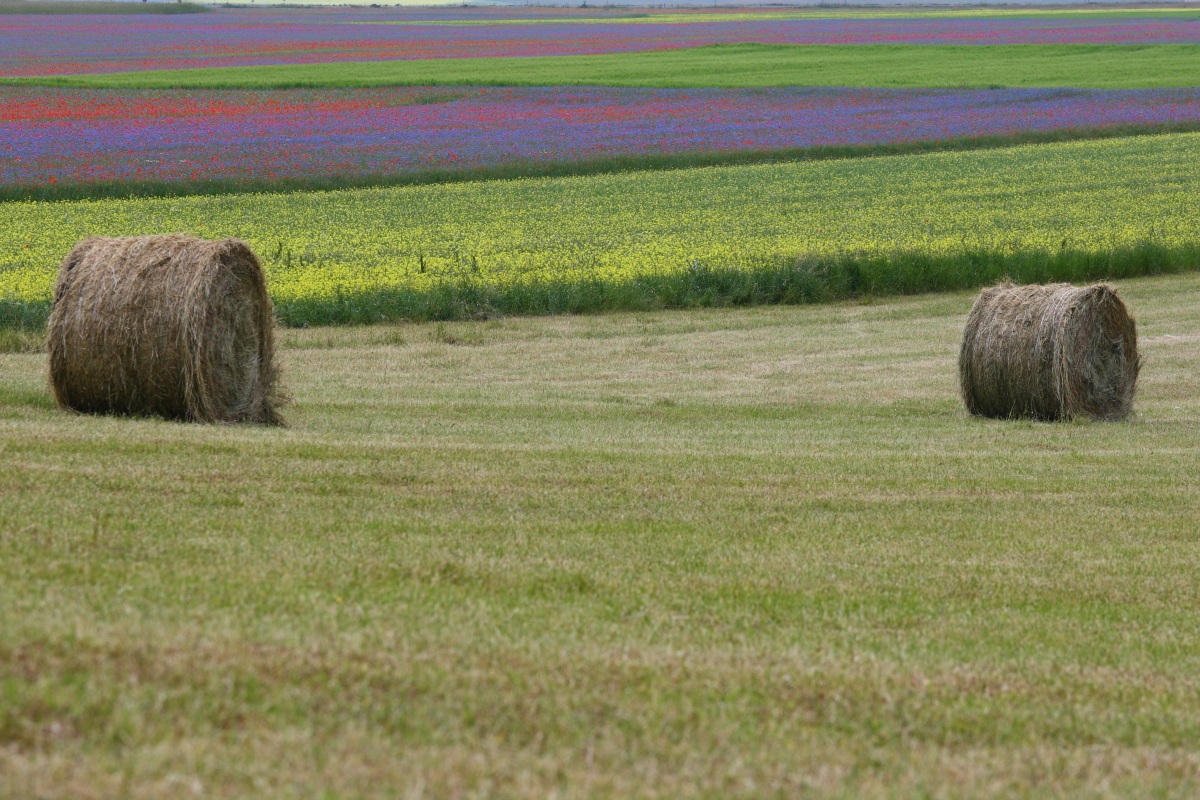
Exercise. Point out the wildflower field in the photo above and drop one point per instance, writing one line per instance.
(150, 141)
(419, 97)
(625, 455)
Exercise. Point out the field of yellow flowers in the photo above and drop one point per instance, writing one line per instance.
(712, 236)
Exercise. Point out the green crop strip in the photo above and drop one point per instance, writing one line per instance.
(692, 17)
(744, 65)
(791, 232)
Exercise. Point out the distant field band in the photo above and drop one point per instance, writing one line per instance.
(1049, 352)
(169, 326)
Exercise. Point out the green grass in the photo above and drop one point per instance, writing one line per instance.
(719, 553)
(791, 233)
(743, 65)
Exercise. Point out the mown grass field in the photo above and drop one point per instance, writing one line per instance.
(719, 553)
(791, 232)
(722, 66)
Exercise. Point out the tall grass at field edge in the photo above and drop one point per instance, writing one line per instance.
(787, 282)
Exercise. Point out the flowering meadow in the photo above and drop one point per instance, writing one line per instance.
(50, 45)
(61, 137)
(793, 231)
(707, 235)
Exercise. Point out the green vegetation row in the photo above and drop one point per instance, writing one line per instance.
(724, 66)
(791, 232)
(644, 162)
(106, 7)
(778, 282)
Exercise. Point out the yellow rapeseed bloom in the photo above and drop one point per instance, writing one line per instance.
(1090, 195)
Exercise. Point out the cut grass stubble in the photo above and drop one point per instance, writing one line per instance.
(722, 553)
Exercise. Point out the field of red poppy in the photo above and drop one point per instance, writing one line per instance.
(49, 45)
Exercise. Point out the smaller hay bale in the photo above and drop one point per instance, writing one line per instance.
(170, 326)
(1051, 352)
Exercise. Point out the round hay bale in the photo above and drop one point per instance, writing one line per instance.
(1050, 353)
(169, 326)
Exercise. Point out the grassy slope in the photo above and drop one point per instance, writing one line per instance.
(774, 233)
(1089, 66)
(722, 553)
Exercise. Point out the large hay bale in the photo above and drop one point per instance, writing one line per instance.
(169, 326)
(1049, 352)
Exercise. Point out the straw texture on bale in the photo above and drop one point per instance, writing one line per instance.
(1049, 352)
(169, 326)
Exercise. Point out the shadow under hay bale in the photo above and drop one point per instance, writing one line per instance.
(169, 326)
(1049, 353)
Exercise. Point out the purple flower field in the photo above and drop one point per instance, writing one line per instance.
(51, 45)
(82, 137)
